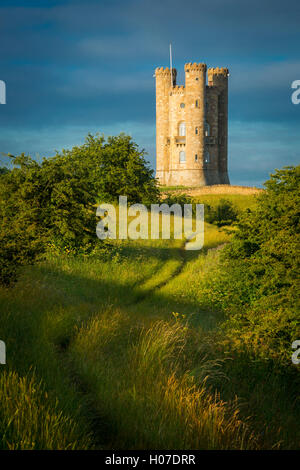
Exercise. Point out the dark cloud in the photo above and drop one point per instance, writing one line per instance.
(77, 66)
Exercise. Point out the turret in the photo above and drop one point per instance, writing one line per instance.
(163, 87)
(195, 81)
(191, 126)
(218, 77)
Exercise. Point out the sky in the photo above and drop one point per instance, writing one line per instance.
(77, 67)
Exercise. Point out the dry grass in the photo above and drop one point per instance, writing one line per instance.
(214, 189)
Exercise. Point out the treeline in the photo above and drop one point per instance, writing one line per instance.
(258, 279)
(51, 203)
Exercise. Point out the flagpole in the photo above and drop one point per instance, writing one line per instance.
(171, 68)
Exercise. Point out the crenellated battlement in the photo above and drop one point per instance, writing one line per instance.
(178, 90)
(218, 71)
(194, 67)
(165, 71)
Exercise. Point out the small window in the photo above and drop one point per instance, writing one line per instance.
(197, 78)
(181, 130)
(207, 157)
(197, 103)
(182, 105)
(207, 129)
(196, 158)
(196, 130)
(182, 156)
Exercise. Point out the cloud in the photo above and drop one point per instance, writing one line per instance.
(257, 148)
(273, 76)
(45, 141)
(98, 81)
(73, 67)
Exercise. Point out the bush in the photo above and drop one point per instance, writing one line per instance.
(52, 203)
(258, 283)
(223, 214)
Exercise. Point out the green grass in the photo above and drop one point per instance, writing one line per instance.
(30, 419)
(125, 350)
(241, 201)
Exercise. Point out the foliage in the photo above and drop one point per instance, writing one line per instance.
(42, 203)
(259, 284)
(224, 213)
(109, 346)
(220, 212)
(116, 167)
(52, 204)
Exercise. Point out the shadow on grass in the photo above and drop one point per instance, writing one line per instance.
(266, 390)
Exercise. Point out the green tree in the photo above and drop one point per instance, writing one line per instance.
(223, 214)
(53, 202)
(260, 277)
(116, 167)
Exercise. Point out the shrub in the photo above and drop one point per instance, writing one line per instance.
(258, 283)
(223, 214)
(52, 203)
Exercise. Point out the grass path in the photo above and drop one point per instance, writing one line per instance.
(124, 347)
(138, 317)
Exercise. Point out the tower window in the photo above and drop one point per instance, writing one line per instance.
(181, 129)
(196, 158)
(207, 157)
(197, 78)
(196, 130)
(207, 129)
(197, 103)
(182, 105)
(182, 156)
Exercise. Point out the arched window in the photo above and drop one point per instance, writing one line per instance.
(181, 130)
(206, 156)
(182, 156)
(207, 129)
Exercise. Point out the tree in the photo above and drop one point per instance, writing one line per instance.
(261, 267)
(223, 214)
(116, 167)
(53, 202)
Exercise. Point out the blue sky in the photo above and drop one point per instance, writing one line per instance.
(73, 67)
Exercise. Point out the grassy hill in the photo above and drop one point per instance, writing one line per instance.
(125, 350)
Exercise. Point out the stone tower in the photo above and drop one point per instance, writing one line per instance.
(192, 126)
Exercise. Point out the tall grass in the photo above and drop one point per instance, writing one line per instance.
(147, 391)
(129, 346)
(30, 420)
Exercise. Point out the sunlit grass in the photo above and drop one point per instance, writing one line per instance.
(126, 345)
(144, 387)
(31, 420)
